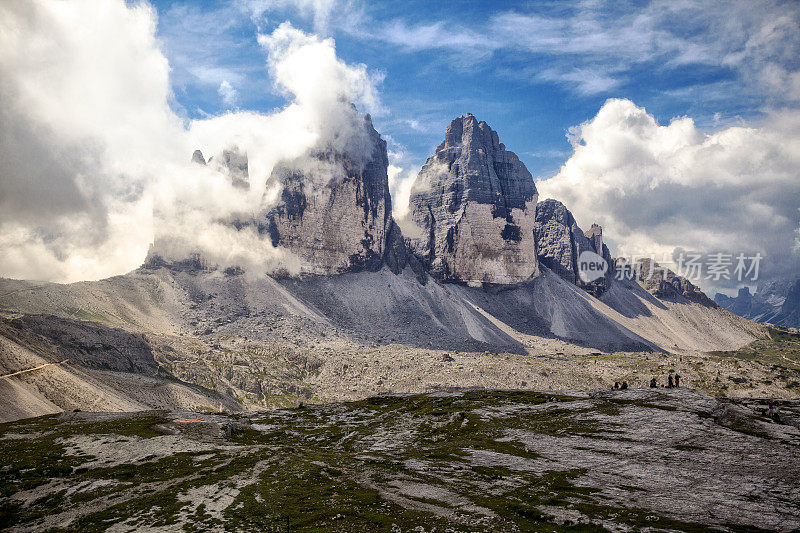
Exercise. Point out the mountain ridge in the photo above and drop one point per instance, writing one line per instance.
(374, 310)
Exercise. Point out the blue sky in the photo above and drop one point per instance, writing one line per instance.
(673, 123)
(531, 70)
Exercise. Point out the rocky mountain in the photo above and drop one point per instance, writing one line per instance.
(663, 283)
(383, 312)
(232, 162)
(560, 243)
(334, 213)
(474, 203)
(776, 302)
(342, 223)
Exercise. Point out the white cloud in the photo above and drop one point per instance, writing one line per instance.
(585, 81)
(594, 47)
(402, 171)
(90, 149)
(656, 187)
(301, 63)
(322, 13)
(227, 93)
(85, 121)
(320, 90)
(400, 182)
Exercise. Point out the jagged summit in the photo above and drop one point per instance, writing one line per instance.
(197, 157)
(474, 202)
(776, 302)
(666, 285)
(232, 162)
(338, 223)
(560, 242)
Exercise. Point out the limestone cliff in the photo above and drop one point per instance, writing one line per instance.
(666, 285)
(560, 242)
(474, 203)
(336, 215)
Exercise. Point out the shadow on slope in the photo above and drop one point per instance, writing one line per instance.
(51, 364)
(548, 306)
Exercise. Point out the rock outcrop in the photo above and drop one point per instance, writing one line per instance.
(560, 242)
(234, 163)
(197, 157)
(742, 304)
(340, 222)
(663, 283)
(474, 204)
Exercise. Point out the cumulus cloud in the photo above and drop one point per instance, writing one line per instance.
(227, 93)
(655, 188)
(95, 163)
(85, 121)
(321, 86)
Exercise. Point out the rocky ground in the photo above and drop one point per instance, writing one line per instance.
(227, 372)
(162, 339)
(641, 459)
(371, 402)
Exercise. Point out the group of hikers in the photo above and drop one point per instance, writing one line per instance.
(672, 382)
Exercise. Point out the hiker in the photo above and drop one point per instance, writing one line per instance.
(677, 380)
(653, 383)
(616, 385)
(771, 409)
(670, 382)
(624, 385)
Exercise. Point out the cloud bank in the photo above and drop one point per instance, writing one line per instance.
(655, 188)
(85, 124)
(90, 147)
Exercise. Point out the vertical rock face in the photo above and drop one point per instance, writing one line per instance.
(560, 242)
(474, 203)
(595, 236)
(339, 223)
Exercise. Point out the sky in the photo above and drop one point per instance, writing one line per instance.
(532, 70)
(674, 124)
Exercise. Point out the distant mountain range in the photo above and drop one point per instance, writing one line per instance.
(776, 302)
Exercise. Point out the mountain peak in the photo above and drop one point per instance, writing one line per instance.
(475, 203)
